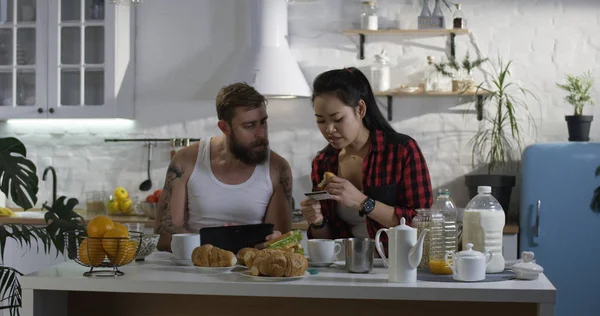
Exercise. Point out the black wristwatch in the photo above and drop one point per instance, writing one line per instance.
(367, 207)
(323, 223)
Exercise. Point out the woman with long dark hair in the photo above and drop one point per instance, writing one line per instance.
(380, 175)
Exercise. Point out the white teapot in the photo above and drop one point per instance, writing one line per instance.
(468, 265)
(405, 250)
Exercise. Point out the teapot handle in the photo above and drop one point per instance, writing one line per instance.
(379, 246)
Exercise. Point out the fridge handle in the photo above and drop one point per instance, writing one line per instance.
(536, 232)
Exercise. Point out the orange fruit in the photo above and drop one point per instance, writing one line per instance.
(125, 254)
(99, 225)
(114, 241)
(123, 227)
(91, 252)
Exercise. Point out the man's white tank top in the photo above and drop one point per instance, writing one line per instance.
(214, 203)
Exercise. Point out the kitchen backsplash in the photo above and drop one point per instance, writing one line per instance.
(183, 50)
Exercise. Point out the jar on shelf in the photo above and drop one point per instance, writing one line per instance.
(368, 17)
(459, 21)
(380, 72)
(421, 222)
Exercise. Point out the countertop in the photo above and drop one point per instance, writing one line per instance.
(37, 218)
(159, 275)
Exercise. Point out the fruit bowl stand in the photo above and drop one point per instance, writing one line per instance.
(103, 255)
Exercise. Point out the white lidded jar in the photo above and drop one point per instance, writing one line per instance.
(380, 72)
(483, 224)
(368, 17)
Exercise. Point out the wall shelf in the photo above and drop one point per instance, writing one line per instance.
(390, 94)
(418, 32)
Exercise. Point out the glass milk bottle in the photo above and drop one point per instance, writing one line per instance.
(483, 223)
(380, 73)
(448, 234)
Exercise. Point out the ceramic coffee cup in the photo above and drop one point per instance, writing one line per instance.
(322, 250)
(341, 256)
(183, 245)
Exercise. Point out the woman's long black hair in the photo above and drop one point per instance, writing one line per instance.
(350, 86)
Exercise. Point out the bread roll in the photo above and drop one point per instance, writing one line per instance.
(242, 253)
(210, 256)
(326, 177)
(279, 264)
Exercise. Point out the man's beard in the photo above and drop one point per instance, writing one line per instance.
(254, 154)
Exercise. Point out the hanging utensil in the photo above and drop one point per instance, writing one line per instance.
(147, 184)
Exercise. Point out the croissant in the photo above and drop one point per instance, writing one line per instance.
(251, 256)
(242, 253)
(279, 264)
(210, 256)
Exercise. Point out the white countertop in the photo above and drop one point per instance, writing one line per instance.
(158, 275)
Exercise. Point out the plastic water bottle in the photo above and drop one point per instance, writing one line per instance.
(447, 240)
(483, 223)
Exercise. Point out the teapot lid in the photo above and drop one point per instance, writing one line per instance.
(470, 253)
(402, 225)
(528, 264)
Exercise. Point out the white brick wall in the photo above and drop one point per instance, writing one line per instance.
(184, 47)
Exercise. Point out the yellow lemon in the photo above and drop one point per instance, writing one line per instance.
(91, 252)
(125, 206)
(123, 227)
(120, 194)
(114, 241)
(99, 225)
(113, 207)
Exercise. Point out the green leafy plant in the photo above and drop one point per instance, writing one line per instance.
(452, 63)
(578, 88)
(20, 183)
(496, 142)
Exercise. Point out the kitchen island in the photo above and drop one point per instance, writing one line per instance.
(158, 287)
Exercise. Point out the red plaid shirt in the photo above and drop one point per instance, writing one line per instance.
(394, 173)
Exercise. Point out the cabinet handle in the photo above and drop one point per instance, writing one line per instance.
(51, 110)
(40, 110)
(536, 229)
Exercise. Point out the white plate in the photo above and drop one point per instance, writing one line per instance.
(377, 263)
(182, 262)
(214, 270)
(272, 279)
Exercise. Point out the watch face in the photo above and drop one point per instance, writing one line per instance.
(369, 205)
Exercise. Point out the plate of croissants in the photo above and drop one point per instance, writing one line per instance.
(210, 259)
(282, 260)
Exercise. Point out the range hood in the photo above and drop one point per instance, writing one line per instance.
(266, 61)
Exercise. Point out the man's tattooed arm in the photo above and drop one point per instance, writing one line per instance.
(285, 180)
(164, 224)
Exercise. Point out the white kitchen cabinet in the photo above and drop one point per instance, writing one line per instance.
(66, 59)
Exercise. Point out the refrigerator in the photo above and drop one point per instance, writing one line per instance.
(557, 223)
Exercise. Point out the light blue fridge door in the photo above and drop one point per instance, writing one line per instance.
(557, 222)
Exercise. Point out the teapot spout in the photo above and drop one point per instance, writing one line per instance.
(416, 252)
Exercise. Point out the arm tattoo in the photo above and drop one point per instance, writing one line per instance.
(166, 223)
(285, 180)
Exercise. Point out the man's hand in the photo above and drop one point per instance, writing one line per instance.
(274, 235)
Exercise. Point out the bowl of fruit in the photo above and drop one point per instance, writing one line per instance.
(120, 203)
(104, 247)
(149, 205)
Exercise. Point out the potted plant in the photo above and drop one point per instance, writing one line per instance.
(499, 142)
(19, 183)
(578, 88)
(461, 73)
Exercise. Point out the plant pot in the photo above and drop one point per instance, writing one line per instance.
(501, 187)
(579, 127)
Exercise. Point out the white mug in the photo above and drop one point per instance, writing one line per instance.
(182, 245)
(468, 265)
(341, 256)
(322, 250)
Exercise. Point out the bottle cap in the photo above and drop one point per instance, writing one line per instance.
(484, 189)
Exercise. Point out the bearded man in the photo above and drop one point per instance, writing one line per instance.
(233, 178)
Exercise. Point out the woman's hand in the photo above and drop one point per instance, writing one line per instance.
(345, 192)
(311, 210)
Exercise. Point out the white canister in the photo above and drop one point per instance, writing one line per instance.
(380, 73)
(468, 265)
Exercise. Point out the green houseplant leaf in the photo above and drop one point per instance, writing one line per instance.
(10, 290)
(18, 179)
(60, 219)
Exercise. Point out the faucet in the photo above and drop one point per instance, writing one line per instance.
(53, 181)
